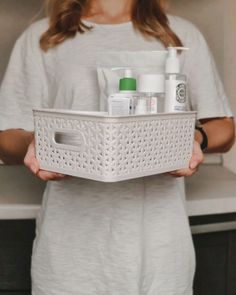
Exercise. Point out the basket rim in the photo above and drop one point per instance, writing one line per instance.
(97, 114)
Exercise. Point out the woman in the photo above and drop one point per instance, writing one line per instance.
(130, 237)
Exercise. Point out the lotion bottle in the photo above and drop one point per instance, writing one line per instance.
(175, 83)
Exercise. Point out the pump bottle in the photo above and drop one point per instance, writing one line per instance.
(175, 83)
(121, 104)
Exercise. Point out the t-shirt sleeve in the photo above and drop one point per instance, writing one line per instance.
(206, 92)
(24, 85)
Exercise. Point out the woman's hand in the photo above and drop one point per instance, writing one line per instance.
(31, 162)
(196, 160)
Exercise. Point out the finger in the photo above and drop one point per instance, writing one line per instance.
(197, 152)
(32, 164)
(34, 167)
(199, 157)
(30, 160)
(47, 175)
(180, 171)
(175, 175)
(196, 160)
(191, 172)
(193, 164)
(184, 172)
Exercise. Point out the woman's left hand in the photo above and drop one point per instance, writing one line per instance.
(196, 160)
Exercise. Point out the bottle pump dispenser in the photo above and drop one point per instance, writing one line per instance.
(175, 83)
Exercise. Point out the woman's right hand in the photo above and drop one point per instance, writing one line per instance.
(31, 162)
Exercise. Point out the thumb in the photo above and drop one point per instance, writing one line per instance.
(30, 160)
(197, 157)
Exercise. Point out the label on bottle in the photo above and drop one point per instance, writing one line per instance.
(119, 105)
(181, 93)
(153, 105)
(176, 96)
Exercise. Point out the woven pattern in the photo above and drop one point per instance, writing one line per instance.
(112, 150)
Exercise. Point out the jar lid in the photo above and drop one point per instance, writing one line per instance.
(154, 83)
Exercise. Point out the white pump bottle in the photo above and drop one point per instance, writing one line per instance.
(175, 83)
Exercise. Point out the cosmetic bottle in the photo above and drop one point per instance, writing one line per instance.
(151, 94)
(175, 83)
(122, 103)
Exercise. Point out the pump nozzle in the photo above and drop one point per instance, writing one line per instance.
(128, 73)
(178, 48)
(172, 62)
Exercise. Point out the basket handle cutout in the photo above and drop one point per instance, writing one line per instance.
(71, 140)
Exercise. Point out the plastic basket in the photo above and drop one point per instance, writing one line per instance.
(96, 146)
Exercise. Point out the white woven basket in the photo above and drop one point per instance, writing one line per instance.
(109, 149)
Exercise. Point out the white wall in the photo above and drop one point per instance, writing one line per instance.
(15, 16)
(207, 16)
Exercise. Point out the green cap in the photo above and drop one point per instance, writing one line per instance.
(128, 83)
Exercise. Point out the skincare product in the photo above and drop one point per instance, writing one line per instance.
(122, 103)
(175, 83)
(111, 65)
(151, 88)
(119, 104)
(141, 106)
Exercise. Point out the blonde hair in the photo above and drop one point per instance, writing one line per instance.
(65, 21)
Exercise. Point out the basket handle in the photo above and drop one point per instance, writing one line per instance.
(73, 140)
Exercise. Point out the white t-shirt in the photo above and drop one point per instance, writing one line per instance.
(130, 237)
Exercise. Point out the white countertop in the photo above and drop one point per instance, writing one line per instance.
(20, 193)
(211, 191)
